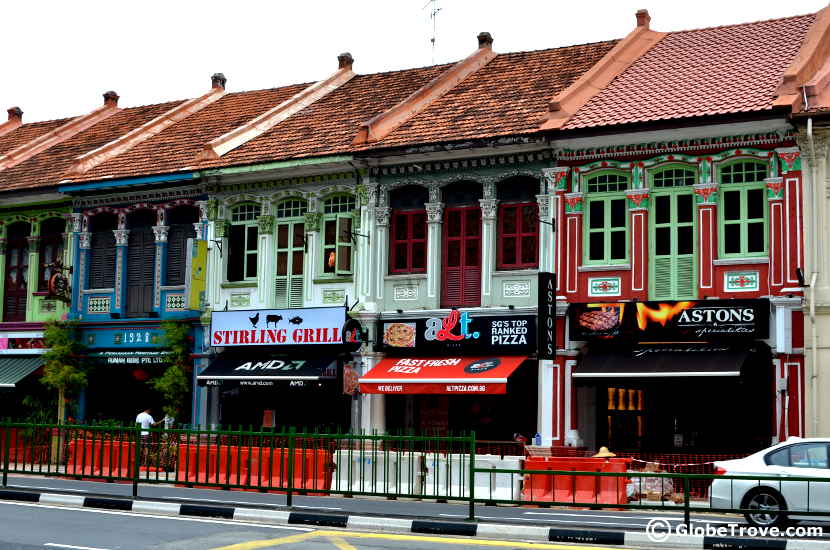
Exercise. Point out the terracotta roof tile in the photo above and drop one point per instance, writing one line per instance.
(28, 132)
(46, 167)
(729, 69)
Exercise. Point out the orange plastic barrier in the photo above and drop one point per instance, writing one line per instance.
(95, 457)
(575, 488)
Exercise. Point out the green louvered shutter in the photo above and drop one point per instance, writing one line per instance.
(673, 264)
(290, 237)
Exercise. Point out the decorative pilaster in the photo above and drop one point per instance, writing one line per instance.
(32, 275)
(435, 218)
(638, 200)
(573, 240)
(266, 261)
(489, 208)
(777, 231)
(706, 195)
(122, 237)
(312, 263)
(547, 247)
(368, 273)
(381, 246)
(555, 179)
(160, 232)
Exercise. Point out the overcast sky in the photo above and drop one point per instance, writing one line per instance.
(60, 56)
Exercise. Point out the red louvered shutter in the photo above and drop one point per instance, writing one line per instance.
(462, 257)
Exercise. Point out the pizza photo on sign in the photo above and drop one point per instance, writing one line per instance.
(399, 335)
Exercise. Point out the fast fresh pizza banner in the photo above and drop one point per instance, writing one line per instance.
(440, 375)
(693, 320)
(278, 327)
(458, 333)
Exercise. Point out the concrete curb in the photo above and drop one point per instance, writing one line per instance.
(406, 526)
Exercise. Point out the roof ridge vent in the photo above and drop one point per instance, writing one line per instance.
(383, 124)
(86, 162)
(61, 133)
(254, 128)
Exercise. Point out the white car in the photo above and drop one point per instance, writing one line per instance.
(778, 501)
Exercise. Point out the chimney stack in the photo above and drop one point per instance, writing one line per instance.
(111, 99)
(15, 114)
(485, 40)
(345, 61)
(643, 18)
(218, 80)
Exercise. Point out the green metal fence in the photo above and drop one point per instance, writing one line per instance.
(442, 468)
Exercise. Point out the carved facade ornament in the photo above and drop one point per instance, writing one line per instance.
(555, 178)
(489, 207)
(312, 221)
(76, 219)
(382, 214)
(489, 191)
(371, 193)
(2, 246)
(544, 206)
(122, 236)
(221, 228)
(33, 240)
(266, 224)
(161, 216)
(573, 203)
(160, 232)
(434, 192)
(706, 193)
(775, 188)
(85, 240)
(637, 199)
(203, 210)
(435, 212)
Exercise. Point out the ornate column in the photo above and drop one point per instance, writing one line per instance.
(489, 208)
(33, 275)
(435, 217)
(160, 233)
(266, 259)
(368, 272)
(637, 200)
(215, 234)
(122, 237)
(372, 406)
(777, 232)
(706, 195)
(794, 204)
(312, 266)
(381, 263)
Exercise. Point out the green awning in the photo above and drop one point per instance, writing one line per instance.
(15, 368)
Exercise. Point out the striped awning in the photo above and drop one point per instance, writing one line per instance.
(13, 369)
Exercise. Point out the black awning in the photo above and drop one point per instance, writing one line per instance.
(663, 361)
(266, 371)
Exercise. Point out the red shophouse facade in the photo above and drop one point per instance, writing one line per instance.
(674, 222)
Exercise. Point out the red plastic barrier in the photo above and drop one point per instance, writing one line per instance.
(96, 457)
(575, 488)
(256, 467)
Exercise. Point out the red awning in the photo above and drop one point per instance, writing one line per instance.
(444, 375)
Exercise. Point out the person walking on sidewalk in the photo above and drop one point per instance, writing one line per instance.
(146, 420)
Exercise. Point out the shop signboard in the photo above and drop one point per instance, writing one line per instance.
(197, 268)
(316, 326)
(123, 337)
(547, 315)
(131, 358)
(679, 321)
(458, 333)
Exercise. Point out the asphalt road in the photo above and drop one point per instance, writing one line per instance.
(608, 519)
(30, 526)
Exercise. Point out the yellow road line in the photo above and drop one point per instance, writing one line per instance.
(253, 544)
(472, 541)
(337, 538)
(340, 543)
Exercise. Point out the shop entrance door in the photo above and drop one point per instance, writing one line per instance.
(462, 257)
(17, 272)
(141, 255)
(673, 271)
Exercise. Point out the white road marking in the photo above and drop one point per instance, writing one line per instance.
(214, 501)
(54, 488)
(56, 545)
(154, 516)
(318, 507)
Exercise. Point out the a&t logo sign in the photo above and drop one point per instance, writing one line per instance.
(443, 330)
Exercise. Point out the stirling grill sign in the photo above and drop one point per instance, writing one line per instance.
(688, 321)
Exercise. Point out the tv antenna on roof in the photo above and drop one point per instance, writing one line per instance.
(433, 14)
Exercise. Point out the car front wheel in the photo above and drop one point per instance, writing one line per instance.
(770, 506)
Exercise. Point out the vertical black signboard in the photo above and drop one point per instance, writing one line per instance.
(547, 315)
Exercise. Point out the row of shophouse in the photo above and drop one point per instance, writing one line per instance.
(380, 251)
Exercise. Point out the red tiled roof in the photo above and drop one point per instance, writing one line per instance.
(28, 132)
(46, 168)
(507, 96)
(719, 70)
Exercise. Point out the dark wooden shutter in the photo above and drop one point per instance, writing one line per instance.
(177, 252)
(102, 260)
(17, 266)
(236, 253)
(140, 271)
